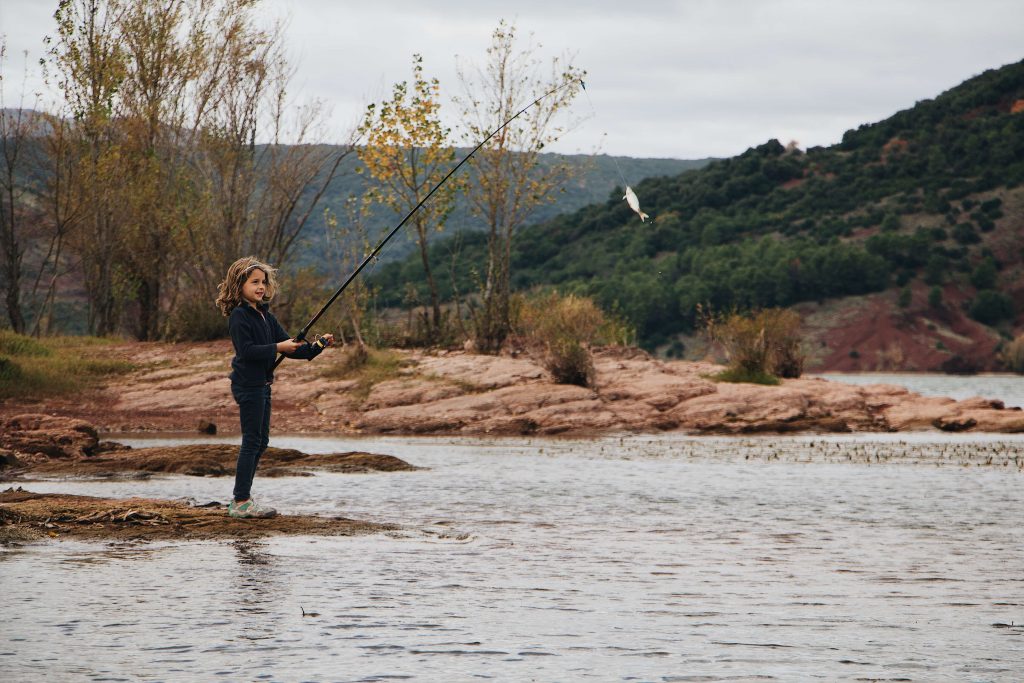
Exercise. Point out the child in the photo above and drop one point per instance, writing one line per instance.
(258, 338)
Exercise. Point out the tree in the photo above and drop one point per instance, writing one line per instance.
(90, 64)
(256, 198)
(15, 202)
(509, 183)
(164, 45)
(990, 307)
(984, 276)
(407, 153)
(347, 243)
(167, 99)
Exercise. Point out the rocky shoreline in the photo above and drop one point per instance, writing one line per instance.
(34, 446)
(182, 387)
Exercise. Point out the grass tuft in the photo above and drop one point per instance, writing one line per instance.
(368, 367)
(742, 375)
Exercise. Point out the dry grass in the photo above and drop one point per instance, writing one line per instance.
(366, 366)
(562, 328)
(31, 368)
(761, 346)
(1013, 355)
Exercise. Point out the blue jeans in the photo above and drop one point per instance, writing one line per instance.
(254, 413)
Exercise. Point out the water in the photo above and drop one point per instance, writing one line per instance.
(1007, 388)
(641, 558)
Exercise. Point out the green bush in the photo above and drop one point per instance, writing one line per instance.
(740, 375)
(964, 233)
(196, 320)
(905, 297)
(991, 307)
(984, 276)
(9, 370)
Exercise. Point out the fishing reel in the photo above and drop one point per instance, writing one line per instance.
(321, 342)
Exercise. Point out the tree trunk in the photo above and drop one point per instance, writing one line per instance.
(435, 298)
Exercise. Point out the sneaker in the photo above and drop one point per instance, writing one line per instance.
(249, 509)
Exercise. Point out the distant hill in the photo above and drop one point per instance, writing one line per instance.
(924, 211)
(593, 177)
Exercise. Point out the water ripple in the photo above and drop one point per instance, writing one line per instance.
(631, 558)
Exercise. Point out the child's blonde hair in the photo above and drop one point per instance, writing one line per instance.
(230, 291)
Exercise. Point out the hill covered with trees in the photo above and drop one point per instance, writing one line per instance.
(930, 197)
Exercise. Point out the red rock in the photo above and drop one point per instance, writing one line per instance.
(464, 393)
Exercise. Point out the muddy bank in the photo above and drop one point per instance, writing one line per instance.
(184, 387)
(206, 460)
(42, 445)
(27, 516)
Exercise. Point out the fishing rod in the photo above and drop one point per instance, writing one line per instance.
(301, 336)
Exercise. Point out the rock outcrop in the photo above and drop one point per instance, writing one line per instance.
(456, 392)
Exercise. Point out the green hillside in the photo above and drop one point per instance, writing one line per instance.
(922, 195)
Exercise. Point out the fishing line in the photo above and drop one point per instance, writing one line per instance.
(629, 195)
(615, 161)
(301, 336)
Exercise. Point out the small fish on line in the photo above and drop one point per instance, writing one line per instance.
(634, 203)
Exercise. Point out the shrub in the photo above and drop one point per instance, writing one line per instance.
(561, 329)
(760, 343)
(739, 375)
(964, 233)
(9, 370)
(935, 297)
(984, 276)
(905, 297)
(990, 306)
(196, 320)
(1012, 355)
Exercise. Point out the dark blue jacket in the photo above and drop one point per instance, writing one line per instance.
(255, 338)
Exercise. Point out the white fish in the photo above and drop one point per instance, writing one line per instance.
(634, 203)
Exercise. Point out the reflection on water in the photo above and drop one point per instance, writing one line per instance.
(256, 584)
(630, 558)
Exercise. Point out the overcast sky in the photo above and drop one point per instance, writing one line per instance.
(684, 79)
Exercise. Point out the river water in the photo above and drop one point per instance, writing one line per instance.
(1005, 387)
(640, 558)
